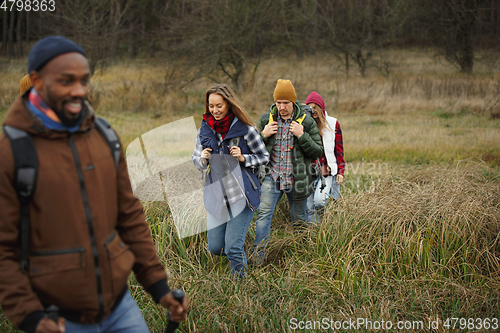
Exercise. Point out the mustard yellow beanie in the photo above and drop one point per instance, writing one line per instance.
(285, 90)
(25, 83)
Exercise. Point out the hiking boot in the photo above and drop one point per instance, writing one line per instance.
(256, 260)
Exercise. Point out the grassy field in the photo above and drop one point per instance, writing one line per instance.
(415, 236)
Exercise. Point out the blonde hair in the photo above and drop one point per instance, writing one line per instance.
(230, 97)
(321, 121)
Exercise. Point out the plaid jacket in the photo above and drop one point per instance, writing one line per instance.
(281, 156)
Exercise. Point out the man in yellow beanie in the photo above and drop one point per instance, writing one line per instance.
(292, 139)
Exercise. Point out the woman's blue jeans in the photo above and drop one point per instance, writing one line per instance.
(227, 238)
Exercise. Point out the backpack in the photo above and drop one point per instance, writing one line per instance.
(235, 142)
(26, 172)
(303, 107)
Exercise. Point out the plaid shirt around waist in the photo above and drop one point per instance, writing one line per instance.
(281, 156)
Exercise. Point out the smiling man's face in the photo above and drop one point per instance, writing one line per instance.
(63, 83)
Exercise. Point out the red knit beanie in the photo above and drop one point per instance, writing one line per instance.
(316, 98)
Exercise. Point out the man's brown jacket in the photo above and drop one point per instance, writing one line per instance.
(87, 230)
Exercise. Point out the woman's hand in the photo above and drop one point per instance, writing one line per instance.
(236, 152)
(340, 178)
(206, 155)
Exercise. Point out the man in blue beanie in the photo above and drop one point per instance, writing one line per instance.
(87, 230)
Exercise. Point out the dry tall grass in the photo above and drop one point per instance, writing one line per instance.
(422, 245)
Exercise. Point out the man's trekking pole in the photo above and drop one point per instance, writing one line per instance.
(52, 313)
(172, 325)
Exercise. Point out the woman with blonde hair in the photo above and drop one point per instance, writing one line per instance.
(331, 165)
(228, 147)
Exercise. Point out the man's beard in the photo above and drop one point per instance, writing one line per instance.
(69, 122)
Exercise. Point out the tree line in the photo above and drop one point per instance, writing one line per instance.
(231, 36)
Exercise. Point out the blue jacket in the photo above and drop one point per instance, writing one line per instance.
(221, 162)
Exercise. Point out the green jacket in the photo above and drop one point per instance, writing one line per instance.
(306, 148)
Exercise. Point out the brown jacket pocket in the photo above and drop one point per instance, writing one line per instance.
(50, 262)
(121, 261)
(59, 277)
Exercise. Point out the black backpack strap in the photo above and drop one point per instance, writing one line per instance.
(234, 141)
(109, 134)
(26, 172)
(250, 178)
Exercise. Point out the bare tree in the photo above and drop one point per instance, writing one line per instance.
(95, 24)
(12, 53)
(28, 27)
(227, 38)
(139, 28)
(5, 30)
(298, 25)
(451, 26)
(117, 14)
(357, 28)
(19, 34)
(462, 16)
(220, 35)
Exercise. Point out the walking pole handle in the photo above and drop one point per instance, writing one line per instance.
(179, 296)
(52, 313)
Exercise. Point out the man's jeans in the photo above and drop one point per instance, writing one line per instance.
(227, 238)
(271, 195)
(317, 201)
(126, 318)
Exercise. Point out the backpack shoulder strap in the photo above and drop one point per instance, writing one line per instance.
(306, 109)
(26, 172)
(301, 119)
(109, 134)
(234, 141)
(271, 119)
(25, 176)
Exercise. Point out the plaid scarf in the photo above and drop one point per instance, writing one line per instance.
(41, 106)
(48, 117)
(220, 126)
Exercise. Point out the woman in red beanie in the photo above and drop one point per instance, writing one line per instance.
(330, 165)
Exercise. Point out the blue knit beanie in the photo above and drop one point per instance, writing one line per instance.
(48, 48)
